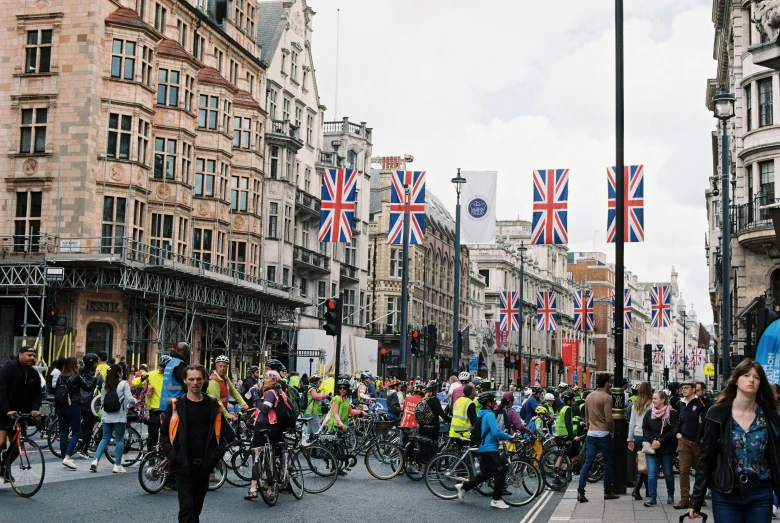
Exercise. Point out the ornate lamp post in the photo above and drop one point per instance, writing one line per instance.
(458, 182)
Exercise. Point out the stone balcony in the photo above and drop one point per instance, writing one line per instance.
(284, 134)
(752, 226)
(344, 126)
(307, 205)
(310, 260)
(349, 272)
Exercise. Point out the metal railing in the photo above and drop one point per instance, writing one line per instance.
(348, 271)
(311, 258)
(285, 127)
(307, 201)
(749, 215)
(327, 158)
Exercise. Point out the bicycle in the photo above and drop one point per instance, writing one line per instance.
(383, 459)
(133, 448)
(153, 471)
(22, 464)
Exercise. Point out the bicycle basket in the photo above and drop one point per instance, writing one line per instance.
(382, 427)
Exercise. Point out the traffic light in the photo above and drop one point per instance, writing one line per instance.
(382, 353)
(648, 357)
(666, 374)
(332, 325)
(51, 314)
(415, 342)
(508, 363)
(431, 341)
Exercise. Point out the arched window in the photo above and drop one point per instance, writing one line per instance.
(351, 160)
(100, 336)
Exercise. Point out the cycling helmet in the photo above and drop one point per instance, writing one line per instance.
(476, 381)
(432, 385)
(541, 410)
(364, 375)
(508, 396)
(635, 388)
(563, 385)
(315, 377)
(536, 390)
(165, 360)
(550, 389)
(549, 397)
(419, 389)
(222, 359)
(90, 358)
(567, 396)
(253, 369)
(342, 383)
(575, 388)
(274, 365)
(485, 398)
(392, 383)
(464, 376)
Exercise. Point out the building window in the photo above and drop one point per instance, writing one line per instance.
(749, 106)
(226, 110)
(123, 59)
(198, 43)
(209, 112)
(204, 177)
(349, 307)
(307, 180)
(393, 312)
(189, 95)
(27, 225)
(140, 8)
(238, 258)
(309, 129)
(767, 170)
(285, 276)
(233, 72)
(165, 158)
(284, 62)
(302, 285)
(274, 162)
(321, 290)
(765, 102)
(201, 247)
(219, 56)
(143, 140)
(250, 80)
(298, 116)
(120, 130)
(287, 222)
(272, 104)
(288, 164)
(182, 27)
(168, 87)
(396, 265)
(181, 240)
(360, 315)
(113, 230)
(139, 214)
(270, 273)
(146, 65)
(294, 66)
(273, 218)
(239, 193)
(350, 254)
(159, 17)
(162, 236)
(305, 77)
(242, 129)
(33, 131)
(351, 160)
(286, 109)
(38, 51)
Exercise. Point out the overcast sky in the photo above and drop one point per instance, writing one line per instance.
(515, 86)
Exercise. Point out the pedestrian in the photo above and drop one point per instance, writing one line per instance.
(740, 452)
(94, 382)
(116, 398)
(194, 439)
(153, 383)
(636, 435)
(67, 403)
(659, 429)
(103, 365)
(123, 364)
(173, 384)
(674, 398)
(600, 426)
(692, 409)
(313, 406)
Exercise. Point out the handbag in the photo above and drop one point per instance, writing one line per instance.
(641, 462)
(647, 448)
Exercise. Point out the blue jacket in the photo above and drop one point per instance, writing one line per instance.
(491, 434)
(528, 409)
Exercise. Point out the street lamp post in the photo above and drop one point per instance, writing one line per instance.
(685, 349)
(521, 250)
(458, 182)
(723, 108)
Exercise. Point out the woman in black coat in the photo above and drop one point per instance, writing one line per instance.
(740, 451)
(659, 428)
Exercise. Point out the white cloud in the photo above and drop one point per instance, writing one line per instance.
(520, 86)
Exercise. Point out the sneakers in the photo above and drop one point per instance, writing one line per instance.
(93, 466)
(250, 495)
(83, 455)
(498, 503)
(461, 492)
(650, 503)
(68, 464)
(119, 469)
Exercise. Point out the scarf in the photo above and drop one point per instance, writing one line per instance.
(664, 413)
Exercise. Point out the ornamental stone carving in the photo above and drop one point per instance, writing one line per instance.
(239, 222)
(203, 208)
(163, 192)
(30, 167)
(117, 172)
(767, 13)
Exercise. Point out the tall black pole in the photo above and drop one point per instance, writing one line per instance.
(725, 301)
(618, 398)
(405, 286)
(520, 314)
(456, 305)
(338, 340)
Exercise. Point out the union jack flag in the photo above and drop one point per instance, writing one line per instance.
(509, 313)
(658, 354)
(337, 208)
(676, 357)
(583, 311)
(697, 357)
(661, 306)
(627, 323)
(416, 182)
(546, 311)
(634, 193)
(551, 202)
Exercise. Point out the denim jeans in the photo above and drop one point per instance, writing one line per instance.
(748, 502)
(70, 423)
(118, 430)
(667, 462)
(593, 446)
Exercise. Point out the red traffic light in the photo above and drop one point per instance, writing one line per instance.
(383, 351)
(506, 356)
(330, 304)
(415, 334)
(517, 358)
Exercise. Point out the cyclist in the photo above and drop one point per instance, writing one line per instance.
(492, 465)
(394, 400)
(539, 421)
(222, 388)
(252, 374)
(340, 409)
(173, 378)
(464, 414)
(438, 412)
(94, 381)
(456, 393)
(549, 403)
(528, 410)
(313, 405)
(409, 419)
(512, 420)
(153, 382)
(20, 391)
(362, 391)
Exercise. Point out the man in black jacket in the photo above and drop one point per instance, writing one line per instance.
(20, 390)
(194, 437)
(692, 409)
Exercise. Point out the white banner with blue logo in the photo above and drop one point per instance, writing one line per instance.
(768, 352)
(478, 207)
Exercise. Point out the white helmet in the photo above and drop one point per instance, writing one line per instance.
(563, 385)
(464, 376)
(222, 359)
(549, 397)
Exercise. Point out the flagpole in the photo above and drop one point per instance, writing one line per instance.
(405, 285)
(520, 315)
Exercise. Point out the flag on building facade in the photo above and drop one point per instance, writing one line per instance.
(583, 311)
(337, 205)
(697, 357)
(501, 336)
(478, 207)
(551, 202)
(627, 317)
(415, 180)
(676, 357)
(660, 306)
(658, 354)
(546, 311)
(509, 311)
(634, 192)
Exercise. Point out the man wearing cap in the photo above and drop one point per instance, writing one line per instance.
(103, 365)
(153, 382)
(20, 390)
(691, 408)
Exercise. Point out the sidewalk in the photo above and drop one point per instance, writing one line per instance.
(619, 510)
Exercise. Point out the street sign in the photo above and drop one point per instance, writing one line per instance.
(709, 369)
(55, 274)
(576, 378)
(473, 363)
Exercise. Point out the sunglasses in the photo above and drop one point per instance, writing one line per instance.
(343, 387)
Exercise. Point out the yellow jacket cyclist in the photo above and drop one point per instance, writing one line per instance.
(222, 388)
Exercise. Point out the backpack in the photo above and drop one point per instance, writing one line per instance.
(423, 413)
(295, 399)
(477, 437)
(111, 402)
(284, 414)
(61, 393)
(49, 384)
(305, 399)
(501, 417)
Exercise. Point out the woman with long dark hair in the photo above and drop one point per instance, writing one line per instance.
(115, 421)
(68, 407)
(659, 428)
(639, 410)
(740, 452)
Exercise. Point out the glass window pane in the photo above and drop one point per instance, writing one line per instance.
(214, 102)
(27, 116)
(41, 115)
(203, 100)
(196, 239)
(31, 57)
(207, 240)
(202, 118)
(212, 119)
(129, 68)
(120, 209)
(111, 147)
(211, 165)
(127, 123)
(35, 204)
(173, 99)
(130, 48)
(243, 202)
(21, 204)
(45, 63)
(108, 209)
(40, 139)
(175, 77)
(245, 141)
(117, 47)
(32, 37)
(233, 200)
(113, 121)
(172, 146)
(161, 94)
(46, 36)
(124, 147)
(26, 140)
(159, 144)
(162, 75)
(158, 165)
(199, 184)
(236, 138)
(210, 185)
(168, 226)
(116, 66)
(170, 167)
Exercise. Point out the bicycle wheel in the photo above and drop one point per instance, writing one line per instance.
(133, 448)
(151, 475)
(234, 477)
(384, 460)
(556, 476)
(522, 483)
(268, 487)
(53, 439)
(218, 475)
(27, 471)
(295, 472)
(319, 467)
(351, 440)
(597, 469)
(443, 473)
(96, 406)
(414, 470)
